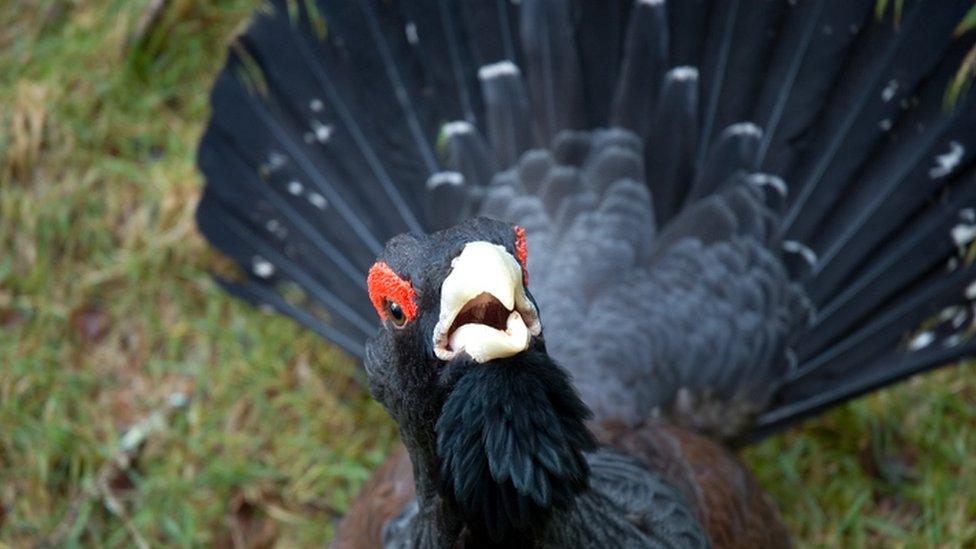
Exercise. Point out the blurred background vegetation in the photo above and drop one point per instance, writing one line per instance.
(139, 405)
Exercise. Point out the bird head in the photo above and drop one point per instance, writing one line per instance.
(460, 363)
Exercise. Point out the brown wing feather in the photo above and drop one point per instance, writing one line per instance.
(381, 499)
(730, 503)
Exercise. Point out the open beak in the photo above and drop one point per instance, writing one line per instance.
(484, 310)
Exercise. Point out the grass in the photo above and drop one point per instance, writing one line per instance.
(107, 313)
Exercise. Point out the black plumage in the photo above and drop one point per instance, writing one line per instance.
(739, 212)
(511, 437)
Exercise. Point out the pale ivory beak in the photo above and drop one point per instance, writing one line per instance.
(484, 310)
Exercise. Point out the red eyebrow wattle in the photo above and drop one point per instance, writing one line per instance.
(522, 253)
(385, 285)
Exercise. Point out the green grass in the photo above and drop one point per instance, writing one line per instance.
(106, 311)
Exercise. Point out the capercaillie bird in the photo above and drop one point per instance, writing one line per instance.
(622, 237)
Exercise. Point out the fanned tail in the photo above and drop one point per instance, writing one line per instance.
(883, 212)
(807, 148)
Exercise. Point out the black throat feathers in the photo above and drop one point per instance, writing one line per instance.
(510, 439)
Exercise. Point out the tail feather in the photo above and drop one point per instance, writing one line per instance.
(645, 58)
(314, 83)
(919, 247)
(491, 29)
(246, 245)
(600, 30)
(294, 163)
(734, 151)
(872, 207)
(372, 39)
(714, 66)
(509, 111)
(793, 202)
(235, 186)
(883, 371)
(733, 88)
(533, 168)
(615, 160)
(467, 152)
(559, 184)
(688, 19)
(449, 200)
(926, 298)
(805, 64)
(552, 67)
(260, 295)
(669, 152)
(436, 29)
(885, 68)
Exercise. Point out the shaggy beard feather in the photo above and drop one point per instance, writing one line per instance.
(511, 438)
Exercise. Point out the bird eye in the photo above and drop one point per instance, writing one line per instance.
(396, 314)
(393, 297)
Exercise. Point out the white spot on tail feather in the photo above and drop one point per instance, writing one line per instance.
(262, 267)
(889, 91)
(444, 178)
(746, 128)
(411, 31)
(948, 312)
(323, 132)
(316, 105)
(457, 127)
(276, 228)
(795, 247)
(971, 291)
(295, 188)
(963, 234)
(276, 160)
(765, 179)
(946, 162)
(683, 73)
(960, 318)
(495, 70)
(317, 200)
(953, 340)
(921, 341)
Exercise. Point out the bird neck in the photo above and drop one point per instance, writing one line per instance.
(439, 522)
(510, 440)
